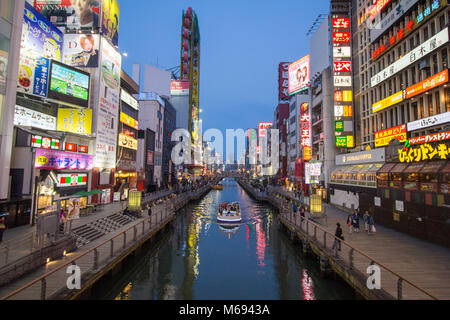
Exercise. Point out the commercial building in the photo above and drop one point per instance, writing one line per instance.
(150, 140)
(401, 110)
(11, 20)
(168, 168)
(126, 175)
(281, 122)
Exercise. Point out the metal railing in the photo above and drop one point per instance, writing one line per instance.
(91, 260)
(392, 282)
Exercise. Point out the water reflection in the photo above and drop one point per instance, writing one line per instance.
(201, 259)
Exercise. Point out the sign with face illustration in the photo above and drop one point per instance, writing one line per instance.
(81, 50)
(41, 41)
(73, 14)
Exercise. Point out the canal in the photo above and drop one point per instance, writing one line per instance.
(199, 259)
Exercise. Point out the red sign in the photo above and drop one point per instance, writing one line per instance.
(128, 133)
(82, 149)
(427, 84)
(263, 126)
(283, 81)
(382, 138)
(341, 37)
(179, 88)
(441, 136)
(305, 128)
(377, 7)
(341, 23)
(342, 66)
(71, 147)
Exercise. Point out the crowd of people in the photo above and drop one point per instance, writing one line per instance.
(228, 209)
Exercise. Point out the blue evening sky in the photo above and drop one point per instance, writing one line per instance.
(242, 43)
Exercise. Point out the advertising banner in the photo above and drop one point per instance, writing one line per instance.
(108, 108)
(376, 8)
(129, 99)
(393, 15)
(30, 118)
(372, 156)
(110, 20)
(61, 160)
(429, 122)
(81, 50)
(427, 84)
(127, 142)
(3, 70)
(382, 138)
(424, 152)
(71, 180)
(387, 102)
(441, 136)
(179, 88)
(73, 14)
(341, 23)
(74, 209)
(262, 128)
(299, 75)
(341, 37)
(129, 121)
(411, 57)
(342, 52)
(75, 120)
(40, 42)
(342, 81)
(283, 81)
(305, 131)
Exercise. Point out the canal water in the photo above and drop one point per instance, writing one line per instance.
(199, 259)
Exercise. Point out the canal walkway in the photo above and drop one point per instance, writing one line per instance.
(100, 256)
(425, 265)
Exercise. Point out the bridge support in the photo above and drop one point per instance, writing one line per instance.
(306, 248)
(325, 267)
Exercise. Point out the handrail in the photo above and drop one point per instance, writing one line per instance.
(81, 255)
(360, 252)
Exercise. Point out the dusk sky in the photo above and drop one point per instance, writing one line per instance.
(241, 44)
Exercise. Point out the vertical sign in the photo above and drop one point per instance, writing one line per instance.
(283, 81)
(305, 131)
(108, 107)
(342, 79)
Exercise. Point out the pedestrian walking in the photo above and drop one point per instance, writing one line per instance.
(355, 221)
(62, 220)
(372, 228)
(338, 235)
(366, 220)
(294, 208)
(350, 223)
(3, 226)
(149, 212)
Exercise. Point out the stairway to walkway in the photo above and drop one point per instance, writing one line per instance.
(94, 230)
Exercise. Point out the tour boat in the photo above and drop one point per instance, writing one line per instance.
(218, 187)
(229, 213)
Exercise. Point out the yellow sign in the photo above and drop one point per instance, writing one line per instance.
(75, 120)
(110, 20)
(129, 121)
(127, 142)
(42, 160)
(424, 152)
(134, 200)
(389, 101)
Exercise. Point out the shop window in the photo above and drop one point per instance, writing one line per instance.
(437, 99)
(7, 9)
(430, 105)
(447, 99)
(444, 58)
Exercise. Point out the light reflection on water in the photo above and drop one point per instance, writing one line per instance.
(201, 259)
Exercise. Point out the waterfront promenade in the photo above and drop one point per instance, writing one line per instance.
(98, 257)
(425, 264)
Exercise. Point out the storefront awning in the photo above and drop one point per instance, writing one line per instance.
(87, 194)
(372, 168)
(386, 168)
(433, 167)
(399, 168)
(414, 168)
(446, 169)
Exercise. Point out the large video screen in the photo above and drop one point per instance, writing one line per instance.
(69, 85)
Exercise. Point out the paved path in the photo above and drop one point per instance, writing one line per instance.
(421, 262)
(57, 281)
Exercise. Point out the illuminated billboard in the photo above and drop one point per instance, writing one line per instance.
(68, 84)
(81, 51)
(427, 84)
(299, 75)
(389, 101)
(262, 128)
(77, 121)
(382, 138)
